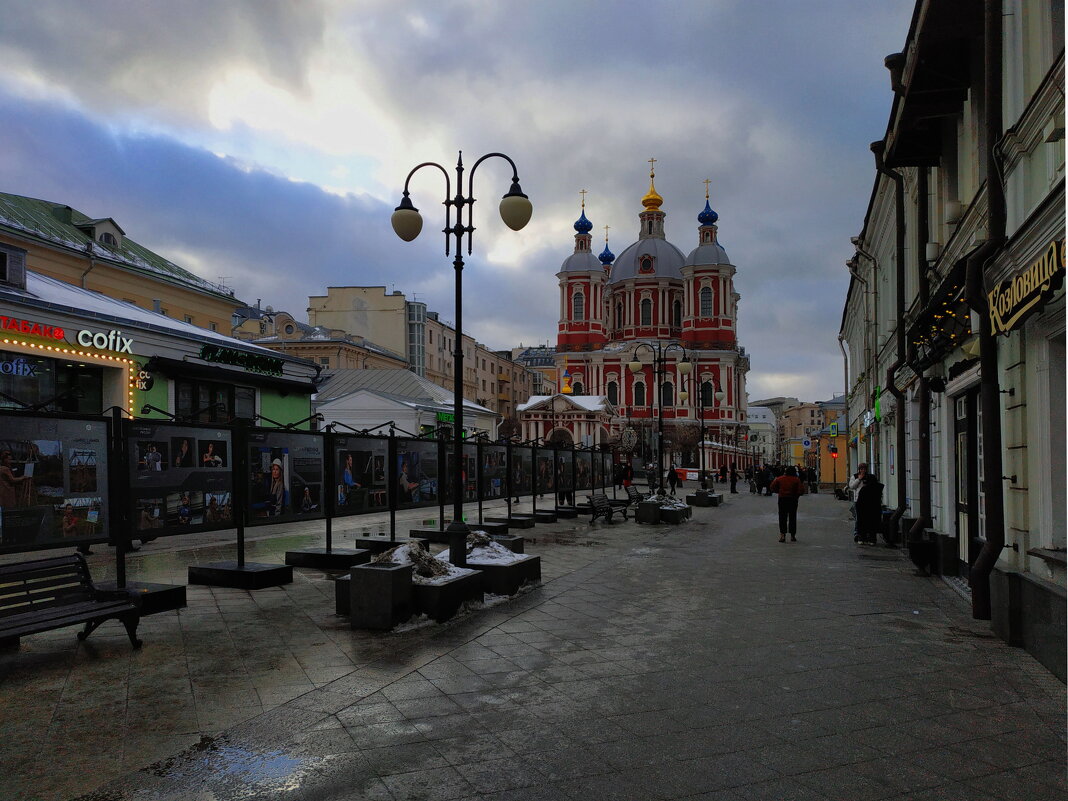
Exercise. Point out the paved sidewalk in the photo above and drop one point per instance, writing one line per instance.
(704, 661)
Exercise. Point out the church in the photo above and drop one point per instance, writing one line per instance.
(650, 316)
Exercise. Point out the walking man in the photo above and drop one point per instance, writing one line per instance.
(789, 488)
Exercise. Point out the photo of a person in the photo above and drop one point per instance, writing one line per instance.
(152, 456)
(307, 501)
(347, 475)
(212, 454)
(405, 485)
(9, 483)
(183, 452)
(149, 515)
(70, 522)
(276, 493)
(185, 512)
(218, 509)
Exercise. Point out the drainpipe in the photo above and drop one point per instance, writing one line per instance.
(989, 389)
(899, 336)
(845, 396)
(92, 262)
(871, 331)
(923, 422)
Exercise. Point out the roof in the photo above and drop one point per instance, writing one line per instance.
(57, 224)
(583, 261)
(712, 253)
(589, 403)
(45, 292)
(668, 260)
(397, 384)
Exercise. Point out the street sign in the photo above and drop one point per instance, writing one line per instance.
(806, 444)
(834, 429)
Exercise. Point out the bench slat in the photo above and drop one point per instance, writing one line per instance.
(90, 609)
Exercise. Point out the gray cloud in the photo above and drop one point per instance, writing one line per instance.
(776, 102)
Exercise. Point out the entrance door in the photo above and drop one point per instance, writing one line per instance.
(966, 467)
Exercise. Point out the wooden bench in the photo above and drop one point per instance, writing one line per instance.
(600, 507)
(46, 594)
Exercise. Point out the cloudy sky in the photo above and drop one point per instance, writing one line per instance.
(264, 143)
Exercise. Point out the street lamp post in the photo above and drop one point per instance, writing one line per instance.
(515, 209)
(659, 352)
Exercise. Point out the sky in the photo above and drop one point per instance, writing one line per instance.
(264, 144)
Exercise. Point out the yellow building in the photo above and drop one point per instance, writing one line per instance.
(95, 254)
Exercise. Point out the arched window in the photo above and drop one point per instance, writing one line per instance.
(577, 306)
(667, 394)
(578, 389)
(639, 394)
(647, 312)
(708, 395)
(613, 393)
(706, 301)
(676, 314)
(619, 315)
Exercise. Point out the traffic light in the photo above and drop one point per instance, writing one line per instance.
(833, 450)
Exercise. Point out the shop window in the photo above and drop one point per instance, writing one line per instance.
(53, 384)
(210, 402)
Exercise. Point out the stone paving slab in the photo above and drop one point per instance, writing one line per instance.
(706, 661)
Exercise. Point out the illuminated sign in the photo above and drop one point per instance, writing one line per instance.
(19, 367)
(112, 340)
(1014, 300)
(253, 362)
(31, 328)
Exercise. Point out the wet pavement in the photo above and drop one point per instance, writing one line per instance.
(704, 661)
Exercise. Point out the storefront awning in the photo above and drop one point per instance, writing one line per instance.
(176, 368)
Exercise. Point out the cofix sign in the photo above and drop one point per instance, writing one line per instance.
(113, 340)
(1012, 301)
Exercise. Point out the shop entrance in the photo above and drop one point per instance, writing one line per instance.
(968, 469)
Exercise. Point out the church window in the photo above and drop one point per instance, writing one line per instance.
(613, 393)
(647, 312)
(639, 394)
(577, 306)
(676, 314)
(708, 395)
(667, 394)
(706, 301)
(619, 315)
(578, 389)
(645, 264)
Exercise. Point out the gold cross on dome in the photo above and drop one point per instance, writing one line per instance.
(652, 167)
(707, 181)
(583, 193)
(606, 234)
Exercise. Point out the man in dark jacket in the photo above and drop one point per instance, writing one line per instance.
(789, 488)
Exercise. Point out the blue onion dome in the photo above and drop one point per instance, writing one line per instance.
(607, 256)
(582, 225)
(706, 217)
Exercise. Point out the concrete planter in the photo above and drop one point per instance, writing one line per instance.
(440, 601)
(648, 512)
(380, 595)
(377, 545)
(715, 499)
(506, 579)
(674, 515)
(699, 499)
(513, 542)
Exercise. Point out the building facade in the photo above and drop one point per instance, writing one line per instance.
(660, 308)
(954, 324)
(491, 378)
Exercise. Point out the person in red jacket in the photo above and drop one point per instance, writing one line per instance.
(789, 488)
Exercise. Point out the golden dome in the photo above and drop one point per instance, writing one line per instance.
(652, 201)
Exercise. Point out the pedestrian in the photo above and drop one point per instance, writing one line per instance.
(674, 482)
(813, 484)
(628, 475)
(869, 510)
(789, 488)
(769, 476)
(854, 486)
(734, 478)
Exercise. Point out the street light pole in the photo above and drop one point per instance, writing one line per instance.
(515, 209)
(659, 352)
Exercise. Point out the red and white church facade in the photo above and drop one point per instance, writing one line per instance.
(653, 301)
